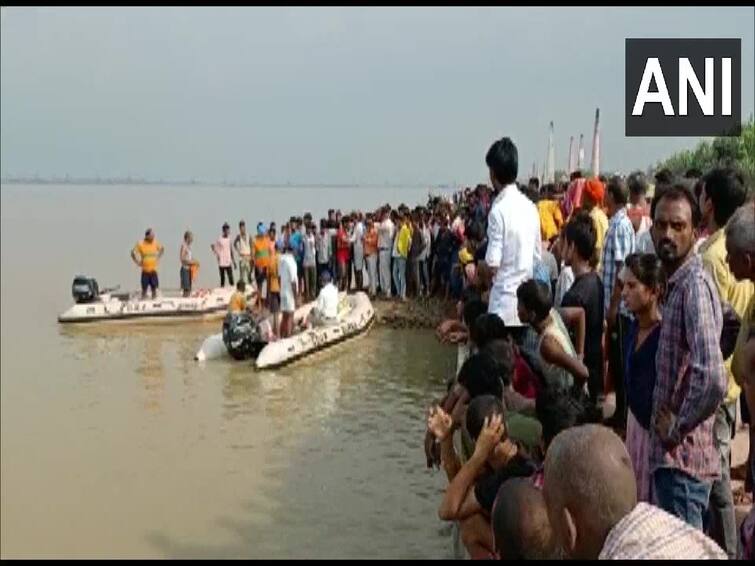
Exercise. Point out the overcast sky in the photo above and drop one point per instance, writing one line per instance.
(316, 95)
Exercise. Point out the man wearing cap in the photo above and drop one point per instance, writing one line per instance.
(224, 252)
(150, 251)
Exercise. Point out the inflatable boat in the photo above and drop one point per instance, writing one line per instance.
(214, 347)
(355, 317)
(91, 305)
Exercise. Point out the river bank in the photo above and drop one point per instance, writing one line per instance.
(425, 313)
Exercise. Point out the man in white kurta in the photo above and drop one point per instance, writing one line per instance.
(513, 248)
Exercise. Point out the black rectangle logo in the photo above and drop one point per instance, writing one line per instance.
(683, 87)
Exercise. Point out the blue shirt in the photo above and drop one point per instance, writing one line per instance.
(618, 244)
(297, 242)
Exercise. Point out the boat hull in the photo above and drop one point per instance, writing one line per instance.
(200, 306)
(281, 352)
(214, 348)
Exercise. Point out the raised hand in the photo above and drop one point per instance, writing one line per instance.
(490, 436)
(439, 423)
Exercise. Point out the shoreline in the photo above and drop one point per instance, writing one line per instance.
(425, 312)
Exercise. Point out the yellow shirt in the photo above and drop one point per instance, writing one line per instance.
(551, 218)
(404, 241)
(738, 294)
(738, 370)
(465, 257)
(237, 303)
(600, 220)
(149, 252)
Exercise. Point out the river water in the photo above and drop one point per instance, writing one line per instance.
(115, 443)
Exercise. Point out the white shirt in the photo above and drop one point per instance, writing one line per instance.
(223, 251)
(242, 245)
(185, 253)
(513, 248)
(358, 239)
(650, 533)
(426, 241)
(564, 283)
(385, 234)
(322, 243)
(287, 272)
(309, 251)
(327, 301)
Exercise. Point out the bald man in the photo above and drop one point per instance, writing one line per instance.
(591, 496)
(521, 529)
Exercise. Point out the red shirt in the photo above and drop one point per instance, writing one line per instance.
(342, 246)
(525, 382)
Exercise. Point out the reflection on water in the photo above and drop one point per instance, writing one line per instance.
(115, 443)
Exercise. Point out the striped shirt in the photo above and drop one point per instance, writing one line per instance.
(617, 245)
(651, 533)
(691, 379)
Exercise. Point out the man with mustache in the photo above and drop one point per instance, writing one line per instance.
(691, 379)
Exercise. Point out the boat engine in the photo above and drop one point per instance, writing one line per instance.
(84, 289)
(242, 336)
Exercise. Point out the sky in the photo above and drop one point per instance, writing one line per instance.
(326, 95)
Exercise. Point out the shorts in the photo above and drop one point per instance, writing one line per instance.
(149, 280)
(185, 279)
(300, 268)
(260, 275)
(288, 304)
(274, 302)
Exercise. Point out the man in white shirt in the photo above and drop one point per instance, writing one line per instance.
(513, 235)
(424, 257)
(357, 239)
(385, 246)
(326, 311)
(224, 252)
(289, 283)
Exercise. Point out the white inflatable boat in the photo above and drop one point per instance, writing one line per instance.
(213, 347)
(355, 316)
(93, 306)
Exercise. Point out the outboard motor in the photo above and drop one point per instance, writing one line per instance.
(241, 336)
(84, 289)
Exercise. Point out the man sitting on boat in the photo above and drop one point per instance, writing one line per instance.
(326, 311)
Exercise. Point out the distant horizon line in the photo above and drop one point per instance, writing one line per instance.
(68, 180)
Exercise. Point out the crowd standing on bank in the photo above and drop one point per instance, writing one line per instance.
(651, 297)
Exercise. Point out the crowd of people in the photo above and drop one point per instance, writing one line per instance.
(576, 288)
(563, 292)
(390, 253)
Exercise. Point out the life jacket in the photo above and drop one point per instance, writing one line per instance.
(262, 252)
(149, 252)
